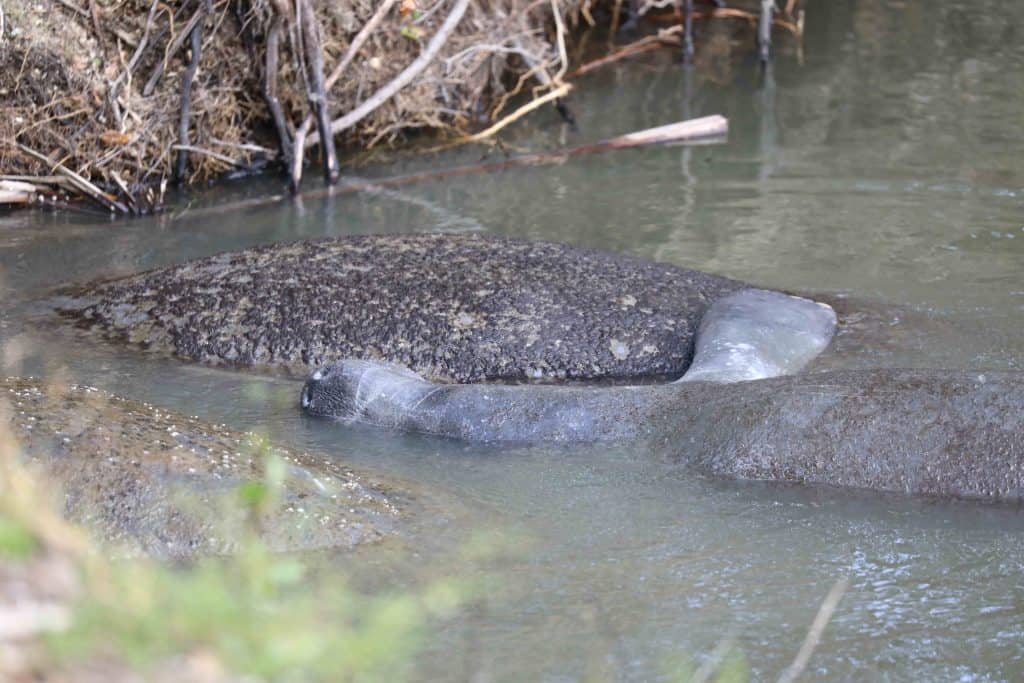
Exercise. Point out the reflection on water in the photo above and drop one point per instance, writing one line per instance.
(889, 166)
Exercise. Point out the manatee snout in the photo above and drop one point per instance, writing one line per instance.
(328, 392)
(355, 389)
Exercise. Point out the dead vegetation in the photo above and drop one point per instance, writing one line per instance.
(113, 99)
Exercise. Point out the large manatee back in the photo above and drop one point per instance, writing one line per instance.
(457, 308)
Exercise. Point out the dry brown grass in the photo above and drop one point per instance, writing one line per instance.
(73, 81)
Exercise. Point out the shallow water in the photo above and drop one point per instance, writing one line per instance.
(888, 166)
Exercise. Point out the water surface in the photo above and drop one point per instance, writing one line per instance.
(886, 164)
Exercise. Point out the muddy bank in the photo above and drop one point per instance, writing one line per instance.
(168, 484)
(455, 308)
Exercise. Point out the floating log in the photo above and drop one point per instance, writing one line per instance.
(703, 129)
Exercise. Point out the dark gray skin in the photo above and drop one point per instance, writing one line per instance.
(166, 484)
(943, 433)
(935, 432)
(460, 308)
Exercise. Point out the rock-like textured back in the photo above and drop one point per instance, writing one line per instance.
(452, 307)
(167, 484)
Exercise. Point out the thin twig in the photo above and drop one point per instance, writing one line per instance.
(560, 91)
(80, 183)
(616, 14)
(357, 42)
(509, 94)
(209, 153)
(560, 33)
(387, 91)
(124, 190)
(37, 179)
(828, 606)
(137, 55)
(172, 48)
(74, 8)
(246, 146)
(646, 44)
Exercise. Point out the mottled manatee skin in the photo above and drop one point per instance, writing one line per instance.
(454, 308)
(166, 484)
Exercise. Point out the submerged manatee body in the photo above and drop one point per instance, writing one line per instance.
(152, 480)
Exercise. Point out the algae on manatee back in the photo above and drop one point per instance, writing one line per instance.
(461, 308)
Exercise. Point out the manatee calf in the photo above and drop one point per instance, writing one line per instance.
(460, 308)
(748, 335)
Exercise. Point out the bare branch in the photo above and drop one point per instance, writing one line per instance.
(315, 89)
(79, 183)
(560, 91)
(403, 79)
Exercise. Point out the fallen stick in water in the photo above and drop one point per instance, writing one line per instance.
(83, 186)
(16, 192)
(707, 130)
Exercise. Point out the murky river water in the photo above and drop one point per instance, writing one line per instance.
(888, 165)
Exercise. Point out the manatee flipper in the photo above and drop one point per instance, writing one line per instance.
(758, 334)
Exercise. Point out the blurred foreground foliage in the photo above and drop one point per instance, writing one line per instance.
(254, 614)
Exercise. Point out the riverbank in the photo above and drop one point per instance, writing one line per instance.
(114, 103)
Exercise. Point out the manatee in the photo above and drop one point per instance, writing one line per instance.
(748, 335)
(730, 378)
(741, 410)
(166, 484)
(456, 308)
